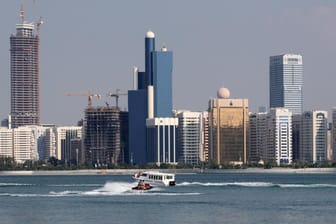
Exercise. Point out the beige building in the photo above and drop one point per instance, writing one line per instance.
(228, 129)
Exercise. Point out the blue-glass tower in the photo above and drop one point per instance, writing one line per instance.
(158, 73)
(149, 48)
(286, 82)
(162, 81)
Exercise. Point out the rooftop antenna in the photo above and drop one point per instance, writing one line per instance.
(22, 12)
(38, 25)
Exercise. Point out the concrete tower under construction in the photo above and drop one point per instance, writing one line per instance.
(25, 74)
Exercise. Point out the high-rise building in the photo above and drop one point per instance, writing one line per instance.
(286, 82)
(314, 136)
(189, 137)
(228, 129)
(25, 75)
(257, 139)
(279, 136)
(162, 64)
(158, 75)
(102, 135)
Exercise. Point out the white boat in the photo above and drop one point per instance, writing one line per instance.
(155, 177)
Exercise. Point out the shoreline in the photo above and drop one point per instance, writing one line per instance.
(177, 171)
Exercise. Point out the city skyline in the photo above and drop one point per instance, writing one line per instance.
(93, 46)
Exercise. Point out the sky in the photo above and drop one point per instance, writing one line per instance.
(92, 46)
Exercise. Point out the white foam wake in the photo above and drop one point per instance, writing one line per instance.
(14, 184)
(256, 184)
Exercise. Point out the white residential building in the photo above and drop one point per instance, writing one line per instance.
(6, 142)
(49, 144)
(314, 136)
(279, 136)
(63, 136)
(24, 147)
(189, 137)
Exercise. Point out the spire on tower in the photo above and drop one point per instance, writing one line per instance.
(22, 12)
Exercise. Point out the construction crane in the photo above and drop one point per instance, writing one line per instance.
(116, 95)
(88, 94)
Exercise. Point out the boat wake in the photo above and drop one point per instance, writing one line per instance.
(14, 184)
(256, 184)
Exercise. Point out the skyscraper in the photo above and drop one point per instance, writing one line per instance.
(162, 64)
(286, 82)
(25, 75)
(158, 78)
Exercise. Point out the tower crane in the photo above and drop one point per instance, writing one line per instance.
(116, 95)
(88, 94)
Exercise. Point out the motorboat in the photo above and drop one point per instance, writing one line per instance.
(142, 185)
(155, 177)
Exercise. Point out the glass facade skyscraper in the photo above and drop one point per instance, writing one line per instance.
(162, 82)
(157, 76)
(286, 82)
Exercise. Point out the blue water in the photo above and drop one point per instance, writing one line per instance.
(197, 198)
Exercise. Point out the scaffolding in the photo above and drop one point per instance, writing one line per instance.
(102, 135)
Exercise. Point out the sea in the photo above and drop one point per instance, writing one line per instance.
(196, 198)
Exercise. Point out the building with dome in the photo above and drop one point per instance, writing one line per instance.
(228, 129)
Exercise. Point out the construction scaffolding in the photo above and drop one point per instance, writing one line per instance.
(102, 136)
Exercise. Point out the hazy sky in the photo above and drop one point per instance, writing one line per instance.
(93, 45)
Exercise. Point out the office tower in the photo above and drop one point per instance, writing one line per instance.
(162, 63)
(158, 75)
(6, 142)
(161, 140)
(228, 129)
(286, 82)
(257, 139)
(279, 136)
(102, 135)
(25, 74)
(314, 136)
(189, 137)
(137, 108)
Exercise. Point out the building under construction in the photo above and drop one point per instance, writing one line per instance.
(25, 74)
(104, 140)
